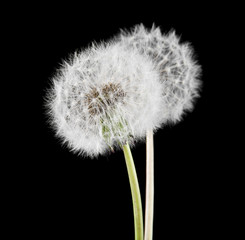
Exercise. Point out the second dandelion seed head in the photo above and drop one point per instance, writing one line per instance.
(174, 61)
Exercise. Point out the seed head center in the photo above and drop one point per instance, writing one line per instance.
(99, 100)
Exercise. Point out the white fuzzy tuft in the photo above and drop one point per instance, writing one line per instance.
(104, 97)
(179, 72)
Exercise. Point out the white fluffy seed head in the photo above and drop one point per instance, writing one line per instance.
(104, 97)
(179, 72)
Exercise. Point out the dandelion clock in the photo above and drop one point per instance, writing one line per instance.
(179, 75)
(105, 98)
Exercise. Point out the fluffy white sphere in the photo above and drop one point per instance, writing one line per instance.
(104, 97)
(179, 72)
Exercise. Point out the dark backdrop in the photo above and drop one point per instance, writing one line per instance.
(55, 193)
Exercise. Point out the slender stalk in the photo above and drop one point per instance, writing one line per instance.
(149, 198)
(135, 191)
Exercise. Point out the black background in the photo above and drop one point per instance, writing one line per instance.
(55, 193)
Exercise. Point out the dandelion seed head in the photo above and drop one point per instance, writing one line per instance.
(104, 97)
(179, 72)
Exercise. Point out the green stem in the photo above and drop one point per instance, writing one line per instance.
(135, 191)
